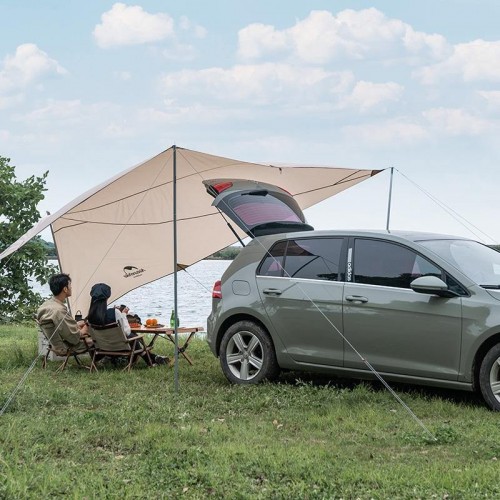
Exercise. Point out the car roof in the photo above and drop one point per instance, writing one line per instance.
(414, 236)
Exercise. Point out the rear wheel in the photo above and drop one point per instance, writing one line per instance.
(489, 378)
(247, 354)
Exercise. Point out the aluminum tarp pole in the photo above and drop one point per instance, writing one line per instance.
(176, 340)
(389, 202)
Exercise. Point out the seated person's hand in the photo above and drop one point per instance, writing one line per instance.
(84, 329)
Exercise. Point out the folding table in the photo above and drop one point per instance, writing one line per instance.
(168, 333)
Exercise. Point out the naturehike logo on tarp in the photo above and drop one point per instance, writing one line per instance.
(132, 271)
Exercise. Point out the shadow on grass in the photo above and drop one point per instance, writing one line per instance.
(454, 396)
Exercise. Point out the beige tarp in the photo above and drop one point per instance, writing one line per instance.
(120, 232)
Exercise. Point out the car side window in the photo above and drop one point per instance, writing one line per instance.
(272, 265)
(388, 264)
(454, 286)
(314, 258)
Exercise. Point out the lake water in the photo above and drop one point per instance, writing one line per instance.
(156, 300)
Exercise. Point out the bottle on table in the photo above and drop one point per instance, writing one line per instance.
(173, 320)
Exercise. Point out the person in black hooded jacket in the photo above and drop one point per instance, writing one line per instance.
(100, 315)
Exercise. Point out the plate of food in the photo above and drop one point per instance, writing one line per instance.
(158, 325)
(135, 325)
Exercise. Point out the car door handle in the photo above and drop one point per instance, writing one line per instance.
(356, 298)
(272, 291)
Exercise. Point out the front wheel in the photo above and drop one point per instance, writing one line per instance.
(247, 354)
(489, 378)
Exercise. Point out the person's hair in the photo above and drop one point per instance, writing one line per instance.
(100, 294)
(122, 307)
(97, 311)
(57, 282)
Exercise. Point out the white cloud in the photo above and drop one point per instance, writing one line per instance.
(395, 132)
(291, 88)
(54, 110)
(258, 84)
(131, 25)
(10, 100)
(323, 37)
(174, 115)
(28, 66)
(259, 40)
(472, 62)
(492, 97)
(187, 25)
(118, 131)
(58, 120)
(368, 95)
(179, 52)
(456, 122)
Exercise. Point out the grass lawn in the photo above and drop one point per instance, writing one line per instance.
(129, 435)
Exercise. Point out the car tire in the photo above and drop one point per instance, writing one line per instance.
(247, 354)
(489, 378)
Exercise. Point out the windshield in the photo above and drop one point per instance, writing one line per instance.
(479, 262)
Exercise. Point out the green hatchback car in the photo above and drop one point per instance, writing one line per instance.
(419, 308)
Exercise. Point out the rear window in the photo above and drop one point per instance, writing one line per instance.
(314, 258)
(272, 265)
(256, 210)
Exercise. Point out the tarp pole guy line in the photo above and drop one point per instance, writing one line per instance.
(28, 371)
(18, 386)
(364, 360)
(33, 364)
(453, 213)
(389, 200)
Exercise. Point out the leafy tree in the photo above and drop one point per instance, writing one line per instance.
(228, 253)
(18, 213)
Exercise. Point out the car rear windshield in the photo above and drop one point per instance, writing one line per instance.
(259, 210)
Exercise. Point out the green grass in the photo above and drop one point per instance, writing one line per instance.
(119, 435)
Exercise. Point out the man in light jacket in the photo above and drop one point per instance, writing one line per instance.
(58, 325)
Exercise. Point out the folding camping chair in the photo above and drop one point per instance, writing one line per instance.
(110, 340)
(60, 351)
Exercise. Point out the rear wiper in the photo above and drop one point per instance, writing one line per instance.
(490, 287)
(260, 192)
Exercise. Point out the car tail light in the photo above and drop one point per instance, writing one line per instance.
(222, 186)
(217, 290)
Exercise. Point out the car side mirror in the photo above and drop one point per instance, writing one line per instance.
(432, 286)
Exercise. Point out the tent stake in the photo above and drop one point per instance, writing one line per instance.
(176, 340)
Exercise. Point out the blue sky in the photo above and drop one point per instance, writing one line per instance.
(88, 89)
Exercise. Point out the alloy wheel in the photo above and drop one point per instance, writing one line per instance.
(495, 379)
(244, 355)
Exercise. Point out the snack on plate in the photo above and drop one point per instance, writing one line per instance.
(151, 322)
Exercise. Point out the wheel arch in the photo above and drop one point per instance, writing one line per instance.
(228, 322)
(479, 356)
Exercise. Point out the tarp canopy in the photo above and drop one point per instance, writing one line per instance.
(120, 232)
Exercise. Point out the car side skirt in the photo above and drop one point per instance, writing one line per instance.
(367, 375)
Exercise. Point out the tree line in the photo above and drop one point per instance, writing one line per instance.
(18, 214)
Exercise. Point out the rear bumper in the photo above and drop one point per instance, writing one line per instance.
(211, 334)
